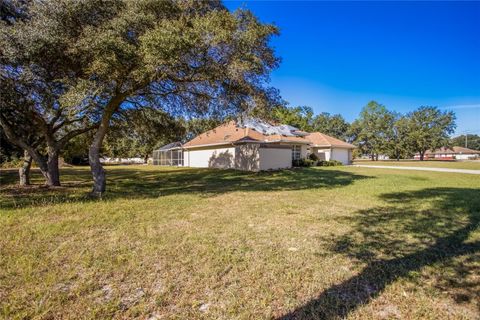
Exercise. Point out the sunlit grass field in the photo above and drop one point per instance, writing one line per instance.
(469, 164)
(177, 243)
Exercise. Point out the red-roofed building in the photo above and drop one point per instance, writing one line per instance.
(454, 153)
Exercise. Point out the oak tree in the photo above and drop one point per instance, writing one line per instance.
(184, 56)
(430, 128)
(373, 129)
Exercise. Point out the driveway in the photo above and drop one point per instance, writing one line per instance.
(420, 169)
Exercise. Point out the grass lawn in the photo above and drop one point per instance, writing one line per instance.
(173, 243)
(472, 165)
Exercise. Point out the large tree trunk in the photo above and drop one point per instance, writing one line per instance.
(98, 173)
(53, 172)
(373, 156)
(145, 159)
(24, 171)
(49, 168)
(42, 165)
(376, 157)
(422, 154)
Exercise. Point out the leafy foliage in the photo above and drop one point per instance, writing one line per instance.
(36, 115)
(332, 125)
(136, 132)
(329, 163)
(471, 141)
(299, 117)
(399, 146)
(303, 162)
(185, 57)
(379, 131)
(8, 150)
(372, 131)
(76, 151)
(429, 128)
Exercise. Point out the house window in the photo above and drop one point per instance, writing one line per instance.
(296, 152)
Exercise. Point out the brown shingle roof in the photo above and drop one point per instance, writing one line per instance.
(322, 140)
(230, 132)
(453, 150)
(223, 134)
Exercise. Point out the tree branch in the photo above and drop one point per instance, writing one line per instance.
(66, 122)
(67, 137)
(17, 140)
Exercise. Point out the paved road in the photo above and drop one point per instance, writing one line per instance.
(420, 169)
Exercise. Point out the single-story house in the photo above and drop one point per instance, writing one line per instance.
(458, 153)
(253, 145)
(330, 148)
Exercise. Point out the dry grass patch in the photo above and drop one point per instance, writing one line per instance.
(465, 164)
(169, 243)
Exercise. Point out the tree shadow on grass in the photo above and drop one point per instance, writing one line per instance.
(130, 183)
(429, 227)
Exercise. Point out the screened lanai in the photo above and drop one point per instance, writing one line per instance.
(169, 155)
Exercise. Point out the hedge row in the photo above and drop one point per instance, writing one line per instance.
(312, 163)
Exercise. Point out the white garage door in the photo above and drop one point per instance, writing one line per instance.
(271, 158)
(340, 155)
(212, 158)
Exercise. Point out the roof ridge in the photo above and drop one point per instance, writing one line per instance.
(232, 131)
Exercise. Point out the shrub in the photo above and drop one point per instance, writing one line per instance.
(313, 156)
(310, 162)
(329, 163)
(303, 163)
(322, 163)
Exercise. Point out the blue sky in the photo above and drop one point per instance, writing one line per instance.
(337, 56)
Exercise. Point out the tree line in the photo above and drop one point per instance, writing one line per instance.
(379, 131)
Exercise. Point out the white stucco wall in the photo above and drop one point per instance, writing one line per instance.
(322, 154)
(213, 158)
(303, 151)
(247, 157)
(340, 154)
(465, 156)
(271, 158)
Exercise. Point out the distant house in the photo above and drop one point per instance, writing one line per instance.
(254, 145)
(458, 153)
(135, 160)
